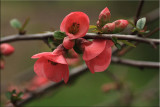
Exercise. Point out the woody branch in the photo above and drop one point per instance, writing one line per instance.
(42, 36)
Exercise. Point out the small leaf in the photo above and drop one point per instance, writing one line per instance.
(134, 29)
(118, 45)
(127, 43)
(50, 40)
(92, 26)
(20, 94)
(15, 24)
(141, 23)
(59, 35)
(114, 40)
(9, 95)
(13, 91)
(147, 31)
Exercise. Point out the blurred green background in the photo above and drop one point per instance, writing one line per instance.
(87, 89)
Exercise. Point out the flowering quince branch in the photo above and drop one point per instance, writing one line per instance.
(96, 53)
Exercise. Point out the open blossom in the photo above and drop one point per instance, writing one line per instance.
(75, 25)
(6, 49)
(52, 65)
(97, 55)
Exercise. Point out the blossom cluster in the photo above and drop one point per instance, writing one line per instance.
(96, 53)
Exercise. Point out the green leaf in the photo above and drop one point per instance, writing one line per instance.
(13, 91)
(127, 43)
(141, 23)
(114, 40)
(20, 94)
(8, 95)
(15, 24)
(147, 31)
(118, 45)
(92, 26)
(50, 40)
(59, 35)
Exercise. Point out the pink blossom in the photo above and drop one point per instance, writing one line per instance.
(104, 17)
(97, 55)
(52, 65)
(6, 49)
(75, 25)
(120, 25)
(108, 28)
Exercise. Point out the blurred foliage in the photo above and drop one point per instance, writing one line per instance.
(86, 90)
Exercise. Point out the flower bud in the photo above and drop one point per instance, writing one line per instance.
(104, 17)
(6, 49)
(108, 28)
(67, 43)
(120, 25)
(1, 64)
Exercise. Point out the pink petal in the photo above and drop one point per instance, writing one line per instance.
(94, 49)
(55, 72)
(109, 43)
(51, 56)
(101, 62)
(39, 55)
(65, 73)
(39, 67)
(75, 17)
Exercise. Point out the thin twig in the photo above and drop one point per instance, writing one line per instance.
(125, 50)
(141, 64)
(139, 10)
(42, 36)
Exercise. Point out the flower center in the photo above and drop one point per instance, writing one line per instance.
(74, 28)
(53, 63)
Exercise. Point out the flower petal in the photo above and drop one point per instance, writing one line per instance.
(75, 17)
(94, 49)
(39, 55)
(55, 72)
(51, 56)
(39, 67)
(101, 62)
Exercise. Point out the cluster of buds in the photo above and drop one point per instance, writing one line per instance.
(5, 50)
(114, 27)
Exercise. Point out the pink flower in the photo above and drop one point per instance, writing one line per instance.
(97, 55)
(52, 65)
(104, 17)
(6, 49)
(108, 28)
(120, 25)
(75, 25)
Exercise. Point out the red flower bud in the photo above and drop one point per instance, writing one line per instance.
(104, 17)
(67, 43)
(108, 28)
(120, 25)
(1, 64)
(6, 49)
